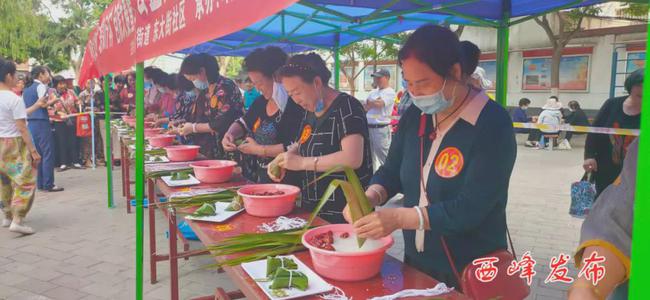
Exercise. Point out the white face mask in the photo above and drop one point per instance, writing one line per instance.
(431, 104)
(280, 96)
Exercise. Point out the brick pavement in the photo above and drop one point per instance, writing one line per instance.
(83, 250)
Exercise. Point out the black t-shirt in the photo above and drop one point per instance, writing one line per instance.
(322, 136)
(279, 128)
(610, 150)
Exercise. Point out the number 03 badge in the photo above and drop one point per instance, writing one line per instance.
(449, 162)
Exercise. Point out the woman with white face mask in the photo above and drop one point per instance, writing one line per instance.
(272, 121)
(451, 158)
(218, 104)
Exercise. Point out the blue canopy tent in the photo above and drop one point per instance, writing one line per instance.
(332, 24)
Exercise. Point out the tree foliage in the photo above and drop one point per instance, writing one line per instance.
(17, 32)
(568, 24)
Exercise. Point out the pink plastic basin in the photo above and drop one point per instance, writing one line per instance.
(353, 266)
(150, 132)
(162, 140)
(269, 206)
(149, 124)
(213, 171)
(182, 152)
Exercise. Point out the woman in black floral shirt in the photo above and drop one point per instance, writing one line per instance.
(271, 122)
(218, 104)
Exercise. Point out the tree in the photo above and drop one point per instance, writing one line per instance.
(640, 10)
(72, 34)
(568, 24)
(17, 33)
(371, 51)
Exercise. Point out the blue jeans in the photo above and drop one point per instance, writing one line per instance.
(41, 131)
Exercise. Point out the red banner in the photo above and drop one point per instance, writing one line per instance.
(131, 31)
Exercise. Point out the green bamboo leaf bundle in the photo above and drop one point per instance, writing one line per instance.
(290, 279)
(180, 202)
(274, 263)
(257, 246)
(158, 174)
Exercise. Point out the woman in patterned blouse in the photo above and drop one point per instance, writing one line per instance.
(334, 132)
(218, 104)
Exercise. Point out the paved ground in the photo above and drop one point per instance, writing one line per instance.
(84, 250)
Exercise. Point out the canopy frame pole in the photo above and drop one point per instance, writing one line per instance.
(108, 157)
(337, 61)
(379, 10)
(327, 10)
(503, 45)
(92, 128)
(426, 7)
(479, 21)
(641, 226)
(139, 178)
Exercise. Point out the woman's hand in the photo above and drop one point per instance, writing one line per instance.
(283, 172)
(292, 160)
(378, 224)
(186, 129)
(590, 165)
(251, 147)
(228, 142)
(36, 158)
(373, 198)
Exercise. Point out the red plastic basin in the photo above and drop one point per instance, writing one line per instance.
(182, 152)
(269, 206)
(162, 140)
(150, 132)
(346, 266)
(213, 171)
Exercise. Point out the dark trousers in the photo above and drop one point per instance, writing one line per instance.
(66, 142)
(41, 132)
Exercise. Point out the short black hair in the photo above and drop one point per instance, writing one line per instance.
(119, 79)
(38, 70)
(433, 45)
(56, 80)
(148, 71)
(7, 67)
(265, 60)
(636, 78)
(574, 105)
(307, 67)
(193, 63)
(554, 97)
(470, 55)
(183, 84)
(524, 102)
(158, 76)
(169, 81)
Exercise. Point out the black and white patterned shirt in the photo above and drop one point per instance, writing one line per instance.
(322, 136)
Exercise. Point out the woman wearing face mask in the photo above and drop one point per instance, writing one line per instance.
(168, 99)
(272, 121)
(151, 94)
(185, 96)
(218, 105)
(333, 132)
(451, 158)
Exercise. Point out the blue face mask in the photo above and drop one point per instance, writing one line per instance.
(404, 84)
(161, 89)
(148, 85)
(200, 84)
(431, 104)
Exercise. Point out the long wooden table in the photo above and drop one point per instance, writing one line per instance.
(174, 233)
(395, 276)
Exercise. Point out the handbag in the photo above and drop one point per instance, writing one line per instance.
(83, 126)
(583, 195)
(503, 286)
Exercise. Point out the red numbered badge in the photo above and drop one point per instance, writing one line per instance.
(449, 162)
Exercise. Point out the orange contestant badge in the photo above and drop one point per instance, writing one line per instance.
(449, 162)
(306, 133)
(256, 125)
